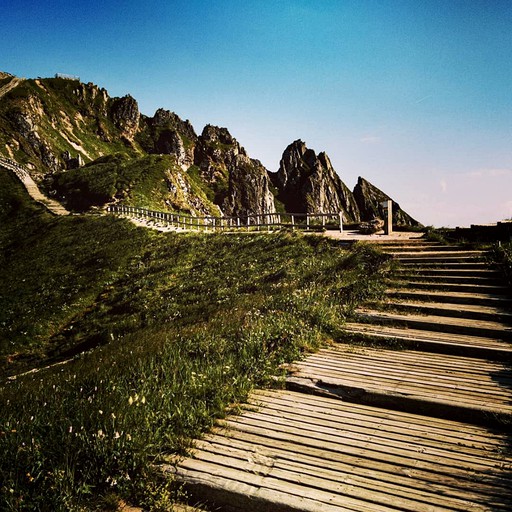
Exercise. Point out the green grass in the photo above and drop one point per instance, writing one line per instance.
(501, 256)
(143, 182)
(167, 330)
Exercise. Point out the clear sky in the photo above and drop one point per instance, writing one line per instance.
(415, 96)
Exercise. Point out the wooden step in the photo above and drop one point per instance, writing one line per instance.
(445, 386)
(491, 329)
(450, 272)
(440, 260)
(430, 341)
(458, 253)
(420, 248)
(412, 242)
(420, 276)
(469, 311)
(455, 287)
(484, 299)
(294, 452)
(444, 264)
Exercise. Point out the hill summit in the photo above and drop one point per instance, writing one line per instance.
(88, 149)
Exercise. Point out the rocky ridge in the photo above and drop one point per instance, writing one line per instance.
(369, 201)
(308, 183)
(63, 130)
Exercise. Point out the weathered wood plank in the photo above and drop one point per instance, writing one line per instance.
(350, 415)
(377, 429)
(459, 379)
(446, 427)
(403, 450)
(483, 483)
(299, 460)
(391, 484)
(271, 484)
(407, 379)
(344, 485)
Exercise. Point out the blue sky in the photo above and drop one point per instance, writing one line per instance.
(415, 96)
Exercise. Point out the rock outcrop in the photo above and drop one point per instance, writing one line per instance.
(308, 183)
(369, 199)
(241, 185)
(166, 134)
(125, 115)
(52, 125)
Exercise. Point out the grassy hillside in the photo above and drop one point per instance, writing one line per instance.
(153, 181)
(176, 328)
(68, 116)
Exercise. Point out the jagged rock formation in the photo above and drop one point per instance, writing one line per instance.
(240, 184)
(307, 183)
(369, 199)
(56, 126)
(166, 134)
(125, 115)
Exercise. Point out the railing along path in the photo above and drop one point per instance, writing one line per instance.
(268, 221)
(15, 167)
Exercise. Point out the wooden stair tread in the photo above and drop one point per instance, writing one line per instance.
(432, 336)
(297, 452)
(376, 315)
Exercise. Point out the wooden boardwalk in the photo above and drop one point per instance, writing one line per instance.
(426, 428)
(294, 451)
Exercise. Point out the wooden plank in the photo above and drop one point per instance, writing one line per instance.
(322, 498)
(400, 382)
(371, 368)
(402, 455)
(431, 336)
(492, 483)
(351, 414)
(386, 486)
(493, 383)
(242, 497)
(401, 388)
(337, 483)
(470, 364)
(404, 449)
(479, 373)
(443, 426)
(377, 428)
(372, 362)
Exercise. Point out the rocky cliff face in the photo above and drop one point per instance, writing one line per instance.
(166, 134)
(56, 126)
(125, 115)
(307, 183)
(369, 199)
(42, 120)
(240, 184)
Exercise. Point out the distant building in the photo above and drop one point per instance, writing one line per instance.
(67, 77)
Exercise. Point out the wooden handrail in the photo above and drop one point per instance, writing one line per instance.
(275, 220)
